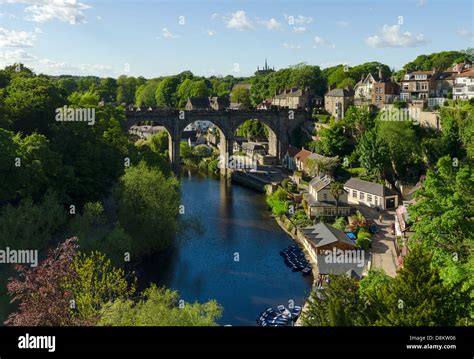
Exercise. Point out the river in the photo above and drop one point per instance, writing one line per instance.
(235, 259)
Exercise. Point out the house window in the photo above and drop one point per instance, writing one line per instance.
(325, 196)
(369, 198)
(354, 194)
(329, 211)
(361, 195)
(376, 201)
(424, 86)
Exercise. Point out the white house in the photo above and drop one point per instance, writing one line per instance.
(320, 202)
(289, 161)
(370, 194)
(363, 90)
(464, 85)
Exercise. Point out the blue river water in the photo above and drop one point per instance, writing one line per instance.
(234, 259)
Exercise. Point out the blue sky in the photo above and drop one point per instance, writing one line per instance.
(154, 38)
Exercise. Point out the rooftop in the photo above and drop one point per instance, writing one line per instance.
(369, 187)
(322, 234)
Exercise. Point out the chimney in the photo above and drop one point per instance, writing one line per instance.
(380, 74)
(434, 70)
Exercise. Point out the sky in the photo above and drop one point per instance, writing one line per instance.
(154, 38)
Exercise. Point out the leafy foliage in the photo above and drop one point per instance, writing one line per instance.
(160, 307)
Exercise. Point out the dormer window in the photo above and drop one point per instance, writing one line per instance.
(407, 77)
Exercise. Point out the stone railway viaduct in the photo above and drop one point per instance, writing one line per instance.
(280, 122)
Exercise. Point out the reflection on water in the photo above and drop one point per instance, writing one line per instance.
(202, 267)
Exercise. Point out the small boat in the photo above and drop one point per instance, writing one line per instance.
(295, 312)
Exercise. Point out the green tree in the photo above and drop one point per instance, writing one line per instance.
(148, 205)
(107, 89)
(31, 103)
(10, 174)
(96, 282)
(30, 225)
(417, 296)
(331, 141)
(241, 95)
(145, 94)
(336, 305)
(401, 142)
(443, 220)
(337, 189)
(199, 89)
(372, 153)
(126, 88)
(159, 142)
(165, 94)
(40, 166)
(160, 307)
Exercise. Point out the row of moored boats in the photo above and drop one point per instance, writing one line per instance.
(294, 258)
(280, 317)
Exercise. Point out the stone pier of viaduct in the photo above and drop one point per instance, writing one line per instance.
(280, 123)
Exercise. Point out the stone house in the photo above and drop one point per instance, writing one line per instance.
(418, 85)
(198, 103)
(253, 148)
(293, 98)
(219, 102)
(370, 194)
(384, 93)
(337, 101)
(321, 203)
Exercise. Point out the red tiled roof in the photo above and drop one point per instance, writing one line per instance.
(301, 155)
(466, 73)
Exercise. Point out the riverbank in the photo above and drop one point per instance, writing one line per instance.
(292, 231)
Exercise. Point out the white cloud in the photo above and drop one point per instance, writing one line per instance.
(48, 66)
(210, 33)
(391, 36)
(466, 33)
(272, 24)
(343, 23)
(214, 16)
(239, 21)
(299, 29)
(320, 42)
(14, 56)
(166, 34)
(420, 3)
(324, 65)
(70, 11)
(285, 45)
(298, 20)
(12, 38)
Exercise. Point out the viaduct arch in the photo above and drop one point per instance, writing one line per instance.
(281, 123)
